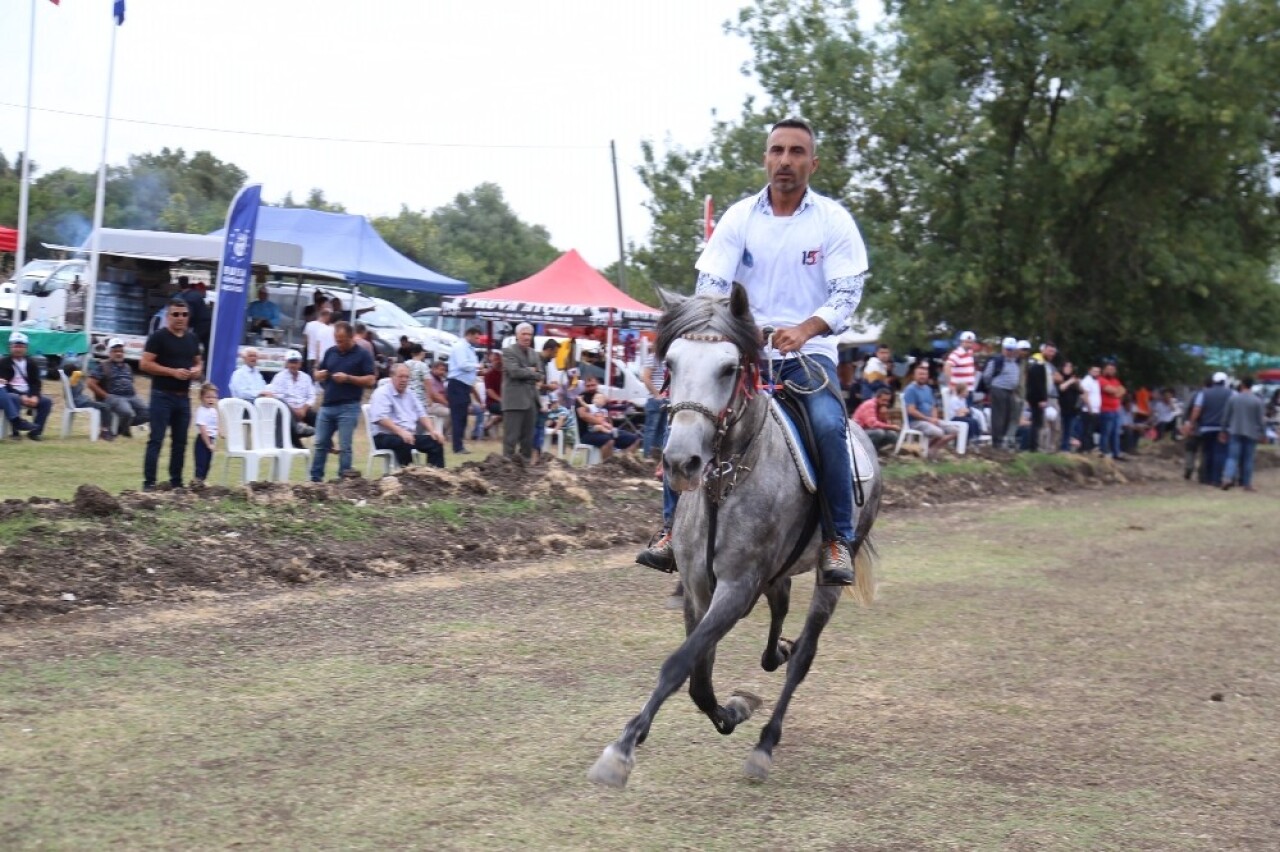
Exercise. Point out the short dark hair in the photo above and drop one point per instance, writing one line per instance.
(177, 302)
(550, 344)
(416, 349)
(184, 282)
(799, 124)
(343, 325)
(1246, 382)
(472, 329)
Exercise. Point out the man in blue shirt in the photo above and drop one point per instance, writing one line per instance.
(923, 414)
(263, 313)
(464, 367)
(344, 372)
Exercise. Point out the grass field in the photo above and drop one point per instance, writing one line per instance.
(1085, 671)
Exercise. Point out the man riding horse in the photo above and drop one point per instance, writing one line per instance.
(802, 261)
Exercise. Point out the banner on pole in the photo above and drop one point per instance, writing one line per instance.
(708, 217)
(235, 273)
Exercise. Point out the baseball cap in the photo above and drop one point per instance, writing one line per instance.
(1219, 378)
(17, 337)
(967, 336)
(1024, 344)
(292, 355)
(114, 342)
(1009, 343)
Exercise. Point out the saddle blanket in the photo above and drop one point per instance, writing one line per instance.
(862, 464)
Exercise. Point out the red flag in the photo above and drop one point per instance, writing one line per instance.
(708, 217)
(55, 2)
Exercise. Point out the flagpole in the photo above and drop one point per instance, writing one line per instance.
(20, 256)
(100, 200)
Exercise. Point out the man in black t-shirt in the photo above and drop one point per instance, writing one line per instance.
(172, 359)
(344, 372)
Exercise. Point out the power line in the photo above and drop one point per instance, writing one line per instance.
(298, 137)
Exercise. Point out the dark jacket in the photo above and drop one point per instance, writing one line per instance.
(1038, 375)
(1213, 407)
(33, 373)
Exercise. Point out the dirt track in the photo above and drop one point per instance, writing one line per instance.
(1089, 670)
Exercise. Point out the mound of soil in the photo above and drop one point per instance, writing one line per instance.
(104, 551)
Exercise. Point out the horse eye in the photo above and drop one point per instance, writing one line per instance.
(726, 371)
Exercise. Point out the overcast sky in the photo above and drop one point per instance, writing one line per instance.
(390, 102)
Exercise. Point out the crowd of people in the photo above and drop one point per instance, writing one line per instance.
(1018, 400)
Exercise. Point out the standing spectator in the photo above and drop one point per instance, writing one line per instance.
(20, 388)
(521, 375)
(1208, 413)
(111, 382)
(922, 413)
(206, 431)
(493, 392)
(172, 359)
(1000, 377)
(1069, 393)
(404, 352)
(197, 309)
(319, 337)
(1091, 408)
(365, 342)
(873, 416)
(959, 366)
(344, 372)
(1109, 416)
(400, 423)
(1244, 425)
(547, 390)
(335, 308)
(1191, 437)
(319, 301)
(654, 376)
(464, 370)
(419, 372)
(1042, 395)
(247, 382)
(73, 314)
(295, 389)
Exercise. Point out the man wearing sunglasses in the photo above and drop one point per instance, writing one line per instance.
(172, 359)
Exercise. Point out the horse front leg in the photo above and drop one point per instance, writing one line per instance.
(824, 603)
(735, 711)
(729, 604)
(776, 649)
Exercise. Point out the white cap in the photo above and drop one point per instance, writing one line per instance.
(1008, 343)
(114, 342)
(1024, 344)
(1219, 378)
(17, 337)
(967, 336)
(292, 355)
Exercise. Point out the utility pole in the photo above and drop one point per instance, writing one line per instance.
(617, 202)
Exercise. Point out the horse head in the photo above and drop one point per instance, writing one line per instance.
(711, 346)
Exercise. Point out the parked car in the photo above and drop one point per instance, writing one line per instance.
(391, 321)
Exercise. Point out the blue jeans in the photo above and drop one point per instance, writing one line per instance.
(204, 458)
(343, 417)
(827, 418)
(13, 410)
(459, 396)
(1214, 457)
(1110, 430)
(655, 425)
(1240, 460)
(172, 412)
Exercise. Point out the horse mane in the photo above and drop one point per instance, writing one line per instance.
(710, 314)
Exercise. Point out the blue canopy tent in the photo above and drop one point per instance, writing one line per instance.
(349, 246)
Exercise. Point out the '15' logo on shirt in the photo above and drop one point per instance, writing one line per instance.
(810, 257)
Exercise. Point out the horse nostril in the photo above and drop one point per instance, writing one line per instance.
(692, 466)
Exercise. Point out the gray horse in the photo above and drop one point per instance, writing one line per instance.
(724, 441)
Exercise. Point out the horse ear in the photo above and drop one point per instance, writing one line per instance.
(739, 304)
(669, 298)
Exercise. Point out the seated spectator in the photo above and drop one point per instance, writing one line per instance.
(82, 397)
(594, 425)
(405, 350)
(492, 378)
(873, 416)
(111, 383)
(295, 389)
(923, 413)
(396, 416)
(263, 313)
(959, 411)
(247, 382)
(437, 398)
(20, 388)
(1131, 425)
(1166, 411)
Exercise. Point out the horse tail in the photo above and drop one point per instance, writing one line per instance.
(863, 589)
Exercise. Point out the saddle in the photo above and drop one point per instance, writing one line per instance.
(788, 415)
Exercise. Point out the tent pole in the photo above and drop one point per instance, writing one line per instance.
(617, 204)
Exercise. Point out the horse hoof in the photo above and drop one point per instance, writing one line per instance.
(746, 702)
(758, 765)
(612, 768)
(674, 602)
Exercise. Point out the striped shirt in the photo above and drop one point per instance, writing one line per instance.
(962, 367)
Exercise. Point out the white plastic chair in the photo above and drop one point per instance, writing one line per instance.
(69, 411)
(388, 457)
(275, 424)
(237, 414)
(906, 434)
(557, 435)
(592, 453)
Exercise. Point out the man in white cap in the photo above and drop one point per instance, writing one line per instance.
(111, 383)
(1207, 420)
(20, 388)
(959, 366)
(1001, 377)
(294, 387)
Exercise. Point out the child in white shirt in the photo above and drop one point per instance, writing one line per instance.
(206, 431)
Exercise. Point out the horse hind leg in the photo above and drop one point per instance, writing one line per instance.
(825, 598)
(776, 649)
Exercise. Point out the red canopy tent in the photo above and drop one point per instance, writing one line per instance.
(8, 239)
(568, 292)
